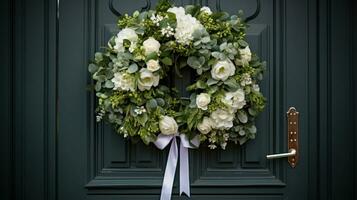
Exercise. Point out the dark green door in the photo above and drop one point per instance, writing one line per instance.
(95, 163)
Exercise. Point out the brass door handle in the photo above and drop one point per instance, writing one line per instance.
(292, 152)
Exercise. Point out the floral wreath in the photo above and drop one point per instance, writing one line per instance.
(134, 82)
(133, 76)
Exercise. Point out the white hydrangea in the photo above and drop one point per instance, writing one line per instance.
(126, 34)
(206, 10)
(186, 25)
(234, 100)
(123, 81)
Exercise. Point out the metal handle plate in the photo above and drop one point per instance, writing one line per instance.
(293, 139)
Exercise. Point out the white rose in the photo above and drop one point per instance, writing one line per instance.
(206, 10)
(245, 56)
(234, 100)
(222, 70)
(147, 79)
(168, 126)
(123, 81)
(125, 34)
(202, 100)
(151, 46)
(222, 119)
(205, 126)
(153, 65)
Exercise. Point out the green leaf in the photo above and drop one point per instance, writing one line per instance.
(151, 56)
(142, 119)
(167, 61)
(211, 82)
(232, 83)
(201, 85)
(98, 86)
(242, 43)
(133, 68)
(192, 10)
(151, 104)
(160, 101)
(195, 62)
(92, 68)
(109, 84)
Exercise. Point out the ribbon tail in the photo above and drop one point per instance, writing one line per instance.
(170, 169)
(184, 171)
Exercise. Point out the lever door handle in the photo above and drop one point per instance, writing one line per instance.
(292, 152)
(292, 139)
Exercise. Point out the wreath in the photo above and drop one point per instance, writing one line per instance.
(133, 76)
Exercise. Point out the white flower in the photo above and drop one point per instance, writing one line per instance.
(186, 25)
(178, 11)
(167, 31)
(125, 34)
(206, 10)
(222, 119)
(202, 100)
(153, 65)
(151, 46)
(234, 100)
(245, 56)
(222, 70)
(156, 19)
(205, 126)
(147, 79)
(256, 88)
(123, 81)
(246, 79)
(140, 110)
(212, 146)
(168, 125)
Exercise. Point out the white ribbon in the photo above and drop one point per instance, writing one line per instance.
(161, 142)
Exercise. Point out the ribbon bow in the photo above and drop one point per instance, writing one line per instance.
(161, 142)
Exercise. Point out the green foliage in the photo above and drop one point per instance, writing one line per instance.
(135, 111)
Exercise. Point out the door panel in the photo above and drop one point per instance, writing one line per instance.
(111, 167)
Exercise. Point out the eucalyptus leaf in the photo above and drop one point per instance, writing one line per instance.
(242, 43)
(92, 68)
(151, 104)
(133, 68)
(109, 84)
(211, 82)
(232, 83)
(160, 101)
(98, 86)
